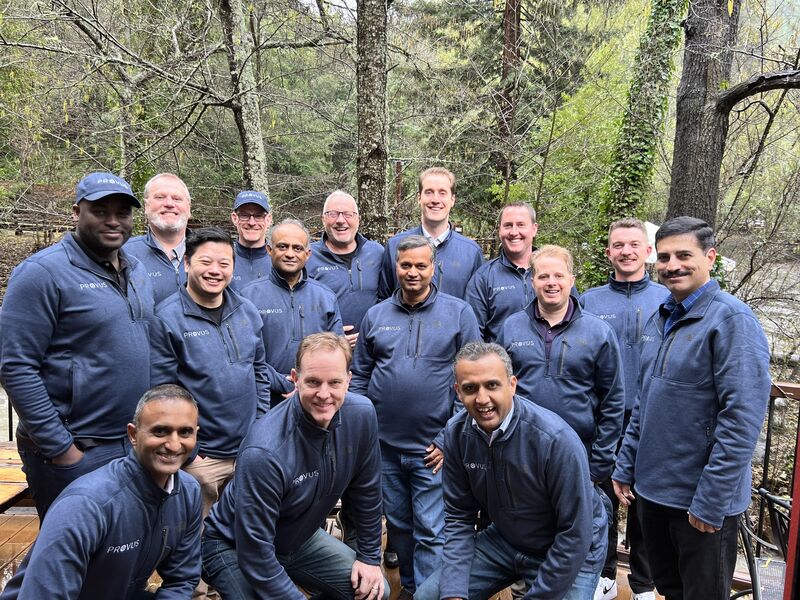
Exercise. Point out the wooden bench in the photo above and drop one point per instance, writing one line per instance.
(13, 486)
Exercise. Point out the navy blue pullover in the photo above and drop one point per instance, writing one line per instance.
(626, 306)
(496, 291)
(249, 264)
(289, 475)
(290, 314)
(457, 258)
(108, 531)
(581, 381)
(74, 349)
(703, 396)
(223, 366)
(355, 285)
(165, 278)
(533, 483)
(403, 362)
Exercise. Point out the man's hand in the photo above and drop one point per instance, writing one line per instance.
(434, 459)
(367, 581)
(352, 338)
(700, 525)
(623, 492)
(294, 389)
(70, 457)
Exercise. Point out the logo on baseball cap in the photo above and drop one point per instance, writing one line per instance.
(96, 186)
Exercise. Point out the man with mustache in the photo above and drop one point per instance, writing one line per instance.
(167, 207)
(74, 342)
(704, 387)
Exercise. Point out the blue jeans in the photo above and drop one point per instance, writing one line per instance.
(496, 564)
(322, 564)
(46, 480)
(414, 507)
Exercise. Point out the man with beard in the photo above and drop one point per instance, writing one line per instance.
(167, 207)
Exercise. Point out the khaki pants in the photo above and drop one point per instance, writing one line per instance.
(213, 474)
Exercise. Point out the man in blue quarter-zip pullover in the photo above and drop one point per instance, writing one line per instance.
(403, 363)
(110, 529)
(568, 360)
(208, 339)
(626, 303)
(526, 469)
(457, 256)
(168, 207)
(264, 534)
(76, 316)
(502, 286)
(252, 218)
(346, 261)
(704, 390)
(291, 304)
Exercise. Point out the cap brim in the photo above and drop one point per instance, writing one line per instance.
(248, 201)
(105, 194)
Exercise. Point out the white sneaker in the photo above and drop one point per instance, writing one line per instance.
(644, 596)
(606, 589)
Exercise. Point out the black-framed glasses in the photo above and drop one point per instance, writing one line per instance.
(258, 217)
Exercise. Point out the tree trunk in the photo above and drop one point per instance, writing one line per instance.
(507, 95)
(372, 118)
(701, 123)
(240, 49)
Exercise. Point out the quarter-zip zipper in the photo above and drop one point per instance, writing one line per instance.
(233, 341)
(564, 346)
(419, 340)
(666, 355)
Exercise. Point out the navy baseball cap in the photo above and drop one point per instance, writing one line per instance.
(251, 197)
(96, 186)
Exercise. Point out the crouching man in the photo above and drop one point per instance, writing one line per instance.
(527, 470)
(264, 535)
(110, 529)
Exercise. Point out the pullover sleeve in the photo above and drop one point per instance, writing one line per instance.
(609, 387)
(740, 364)
(57, 564)
(164, 354)
(572, 497)
(387, 281)
(476, 297)
(623, 470)
(28, 323)
(335, 319)
(365, 494)
(363, 360)
(460, 515)
(264, 374)
(259, 491)
(180, 570)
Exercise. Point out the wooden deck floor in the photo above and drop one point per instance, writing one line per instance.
(17, 533)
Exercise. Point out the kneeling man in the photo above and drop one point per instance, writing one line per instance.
(110, 529)
(527, 470)
(264, 535)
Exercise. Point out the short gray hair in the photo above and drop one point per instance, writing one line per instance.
(414, 241)
(166, 391)
(339, 194)
(158, 176)
(294, 222)
(477, 350)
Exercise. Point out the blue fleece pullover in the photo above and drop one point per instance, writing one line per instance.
(626, 306)
(108, 531)
(249, 264)
(704, 393)
(289, 475)
(457, 258)
(356, 285)
(223, 366)
(581, 381)
(497, 290)
(68, 333)
(533, 483)
(165, 278)
(403, 362)
(290, 314)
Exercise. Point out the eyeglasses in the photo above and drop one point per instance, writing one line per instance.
(334, 214)
(245, 217)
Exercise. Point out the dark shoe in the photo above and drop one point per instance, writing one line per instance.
(392, 562)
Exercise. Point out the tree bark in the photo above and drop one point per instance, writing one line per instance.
(507, 95)
(240, 49)
(701, 124)
(372, 152)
